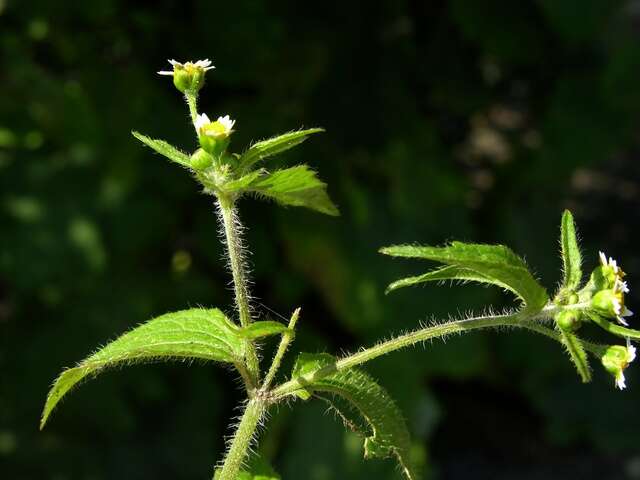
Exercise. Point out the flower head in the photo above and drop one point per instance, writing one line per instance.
(616, 359)
(189, 75)
(214, 136)
(221, 128)
(610, 296)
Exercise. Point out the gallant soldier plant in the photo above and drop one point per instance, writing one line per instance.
(208, 334)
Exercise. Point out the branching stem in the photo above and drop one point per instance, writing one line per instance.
(520, 319)
(282, 348)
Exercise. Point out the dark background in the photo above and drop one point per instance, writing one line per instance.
(471, 120)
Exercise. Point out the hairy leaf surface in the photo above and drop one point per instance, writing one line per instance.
(577, 353)
(164, 148)
(204, 334)
(494, 264)
(571, 257)
(297, 186)
(363, 405)
(273, 146)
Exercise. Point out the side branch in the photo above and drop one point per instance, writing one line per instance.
(520, 319)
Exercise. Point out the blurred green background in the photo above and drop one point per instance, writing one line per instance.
(477, 121)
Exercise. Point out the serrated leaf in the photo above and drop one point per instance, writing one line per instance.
(577, 354)
(363, 405)
(494, 264)
(451, 272)
(164, 148)
(297, 186)
(204, 334)
(243, 183)
(264, 328)
(273, 146)
(571, 257)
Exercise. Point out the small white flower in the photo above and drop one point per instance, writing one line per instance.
(203, 65)
(632, 351)
(221, 128)
(610, 263)
(201, 121)
(227, 123)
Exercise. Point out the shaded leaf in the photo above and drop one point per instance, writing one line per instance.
(164, 148)
(571, 257)
(297, 186)
(204, 334)
(263, 329)
(363, 405)
(273, 146)
(494, 264)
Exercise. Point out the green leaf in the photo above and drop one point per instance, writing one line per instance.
(263, 329)
(273, 146)
(577, 354)
(363, 405)
(204, 334)
(451, 272)
(243, 183)
(164, 148)
(571, 257)
(494, 264)
(297, 186)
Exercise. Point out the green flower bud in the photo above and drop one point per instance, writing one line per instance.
(188, 76)
(616, 359)
(569, 320)
(201, 160)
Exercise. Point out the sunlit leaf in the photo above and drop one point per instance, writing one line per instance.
(571, 257)
(495, 264)
(363, 405)
(577, 354)
(243, 183)
(297, 186)
(164, 148)
(199, 334)
(451, 272)
(273, 146)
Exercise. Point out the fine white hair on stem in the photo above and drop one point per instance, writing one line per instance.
(240, 252)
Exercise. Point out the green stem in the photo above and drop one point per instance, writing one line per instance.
(613, 328)
(231, 227)
(286, 339)
(241, 440)
(520, 319)
(192, 101)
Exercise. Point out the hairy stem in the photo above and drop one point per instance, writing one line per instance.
(242, 440)
(520, 319)
(231, 227)
(615, 329)
(192, 101)
(282, 348)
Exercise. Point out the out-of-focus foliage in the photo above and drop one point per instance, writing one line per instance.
(477, 121)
